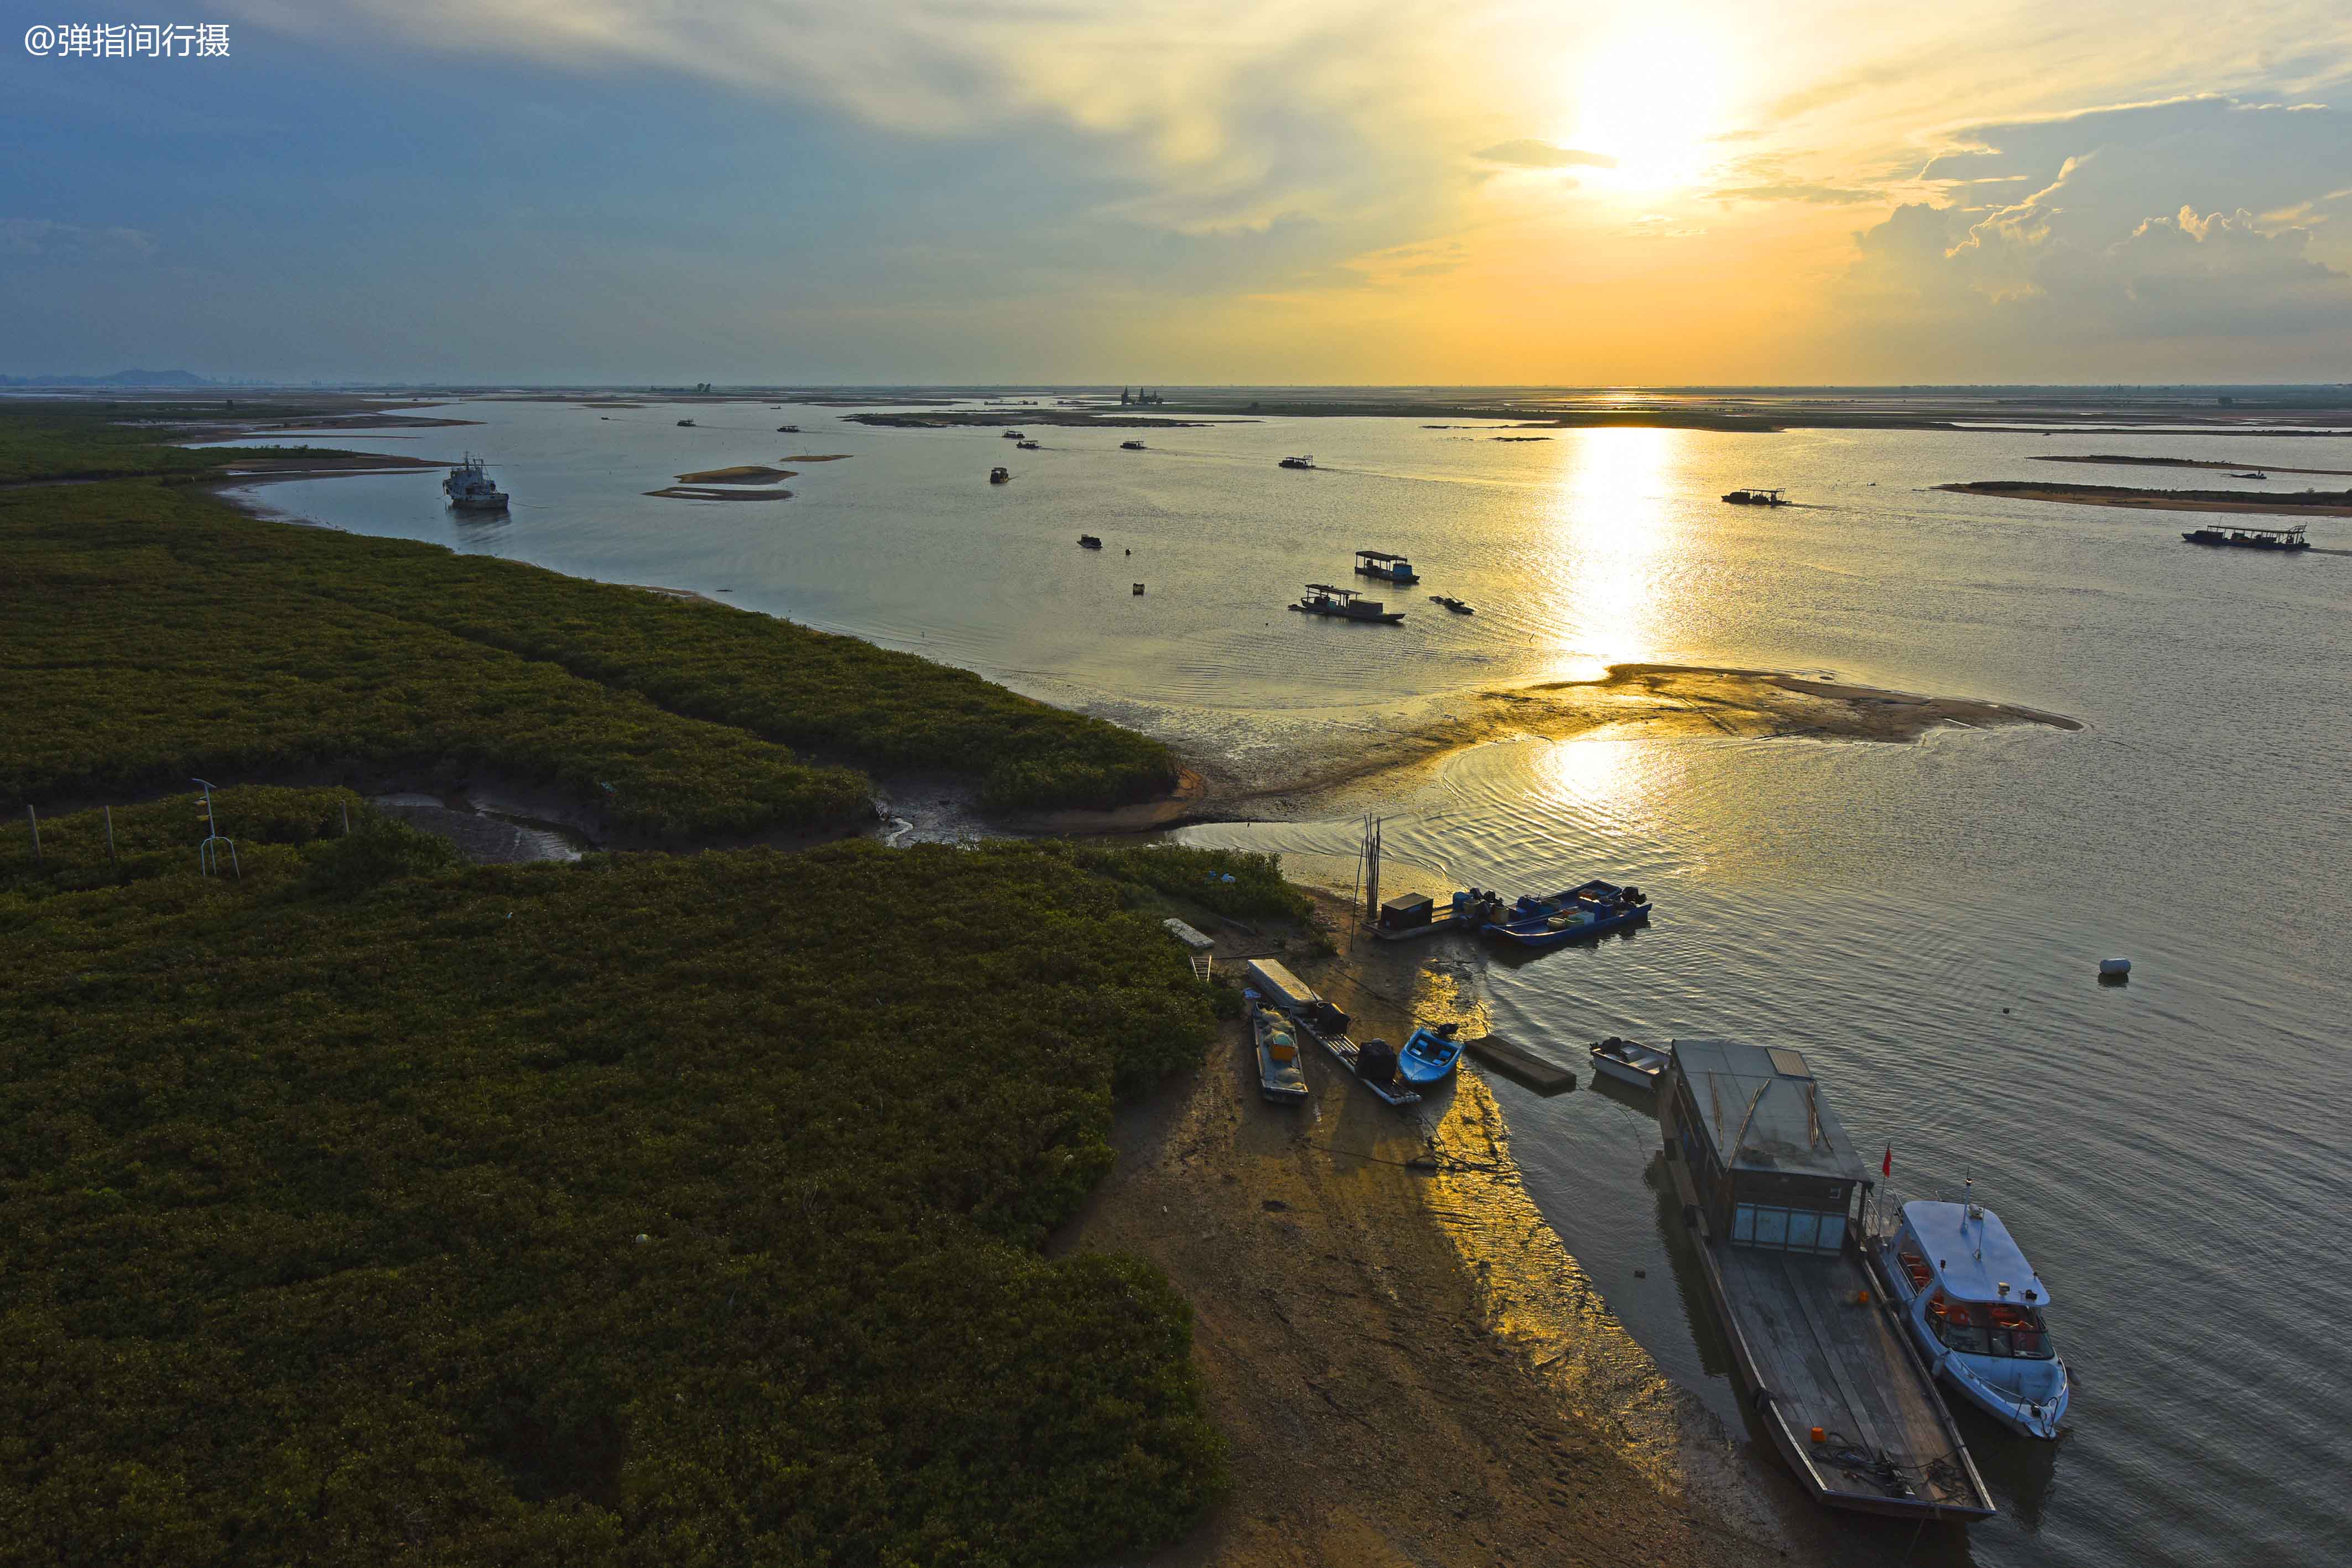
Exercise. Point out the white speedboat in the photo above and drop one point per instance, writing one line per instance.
(1974, 1305)
(1628, 1062)
(469, 488)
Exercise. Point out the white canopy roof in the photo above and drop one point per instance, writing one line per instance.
(1973, 1258)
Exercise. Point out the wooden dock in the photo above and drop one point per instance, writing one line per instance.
(1518, 1063)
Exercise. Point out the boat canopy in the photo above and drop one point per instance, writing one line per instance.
(1336, 593)
(1379, 554)
(2290, 531)
(1973, 1255)
(1761, 1110)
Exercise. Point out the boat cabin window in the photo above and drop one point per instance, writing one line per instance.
(1990, 1328)
(1790, 1230)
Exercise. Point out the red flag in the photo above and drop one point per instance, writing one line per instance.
(1886, 1165)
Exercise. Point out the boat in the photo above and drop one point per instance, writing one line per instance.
(999, 475)
(1295, 463)
(1130, 447)
(1372, 1063)
(1628, 1062)
(1276, 1039)
(686, 425)
(469, 489)
(2247, 537)
(2257, 475)
(1027, 445)
(1017, 435)
(1578, 915)
(1452, 603)
(1974, 1305)
(1430, 1054)
(1754, 497)
(788, 430)
(1089, 541)
(1385, 565)
(1771, 1193)
(1345, 604)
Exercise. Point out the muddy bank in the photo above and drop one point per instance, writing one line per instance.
(1393, 1352)
(704, 493)
(964, 418)
(2190, 462)
(2308, 503)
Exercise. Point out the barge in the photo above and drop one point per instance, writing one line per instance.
(1773, 1194)
(2245, 536)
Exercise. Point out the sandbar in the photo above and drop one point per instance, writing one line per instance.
(2302, 504)
(2193, 462)
(704, 493)
(744, 473)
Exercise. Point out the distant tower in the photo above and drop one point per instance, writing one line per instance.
(1122, 397)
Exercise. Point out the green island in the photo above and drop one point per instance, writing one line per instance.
(364, 1206)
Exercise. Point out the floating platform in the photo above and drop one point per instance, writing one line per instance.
(1516, 1061)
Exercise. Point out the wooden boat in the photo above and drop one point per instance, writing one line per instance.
(788, 430)
(1017, 435)
(1345, 604)
(1275, 1041)
(1089, 541)
(1772, 1194)
(1387, 566)
(1594, 909)
(2245, 536)
(1973, 1305)
(1130, 447)
(1430, 1054)
(1372, 1063)
(1295, 463)
(2251, 475)
(1452, 603)
(1754, 497)
(1628, 1062)
(1027, 445)
(686, 425)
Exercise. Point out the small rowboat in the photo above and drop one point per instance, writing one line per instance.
(1277, 1042)
(1429, 1054)
(1089, 541)
(1628, 1062)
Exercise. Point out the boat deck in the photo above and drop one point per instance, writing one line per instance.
(1839, 1366)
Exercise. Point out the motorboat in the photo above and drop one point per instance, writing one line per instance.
(1628, 1062)
(788, 430)
(1089, 541)
(1130, 447)
(686, 425)
(1345, 604)
(1452, 603)
(470, 489)
(1295, 463)
(2255, 475)
(1274, 1037)
(1385, 565)
(1027, 445)
(1754, 497)
(999, 475)
(2245, 536)
(1017, 435)
(1974, 1306)
(1593, 909)
(1430, 1054)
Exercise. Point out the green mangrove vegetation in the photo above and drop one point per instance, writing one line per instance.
(683, 1210)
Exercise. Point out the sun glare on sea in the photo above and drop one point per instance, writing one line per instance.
(1613, 528)
(1650, 100)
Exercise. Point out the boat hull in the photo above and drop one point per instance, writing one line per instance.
(1422, 1072)
(2017, 1415)
(1535, 934)
(1624, 1071)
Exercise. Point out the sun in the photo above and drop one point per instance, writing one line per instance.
(1650, 100)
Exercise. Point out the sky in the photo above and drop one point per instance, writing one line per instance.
(1189, 192)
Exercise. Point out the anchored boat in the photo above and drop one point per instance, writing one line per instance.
(999, 475)
(1027, 445)
(1089, 541)
(1772, 1193)
(2245, 536)
(1345, 604)
(1628, 1062)
(1753, 497)
(1276, 1039)
(1295, 463)
(1387, 567)
(1593, 909)
(1130, 447)
(1974, 1306)
(1452, 603)
(470, 489)
(1430, 1054)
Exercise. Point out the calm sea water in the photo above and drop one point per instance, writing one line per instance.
(1923, 920)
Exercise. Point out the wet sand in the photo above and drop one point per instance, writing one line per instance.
(2192, 463)
(742, 473)
(2311, 503)
(703, 493)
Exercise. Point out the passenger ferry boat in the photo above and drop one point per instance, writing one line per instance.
(468, 487)
(1754, 497)
(2245, 536)
(1387, 566)
(1344, 604)
(1130, 447)
(1773, 1193)
(1974, 1304)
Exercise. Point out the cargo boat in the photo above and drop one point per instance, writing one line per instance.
(1772, 1193)
(2245, 536)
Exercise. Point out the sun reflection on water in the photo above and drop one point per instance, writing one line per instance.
(1613, 528)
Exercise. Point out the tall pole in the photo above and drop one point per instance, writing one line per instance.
(34, 816)
(110, 834)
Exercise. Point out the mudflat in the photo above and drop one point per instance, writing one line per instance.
(2302, 504)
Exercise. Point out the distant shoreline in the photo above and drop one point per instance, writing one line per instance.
(2308, 504)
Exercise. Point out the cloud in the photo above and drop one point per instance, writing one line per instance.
(1529, 153)
(1820, 195)
(45, 236)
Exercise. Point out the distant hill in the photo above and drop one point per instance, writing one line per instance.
(119, 379)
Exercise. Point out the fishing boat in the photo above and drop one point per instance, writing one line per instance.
(1452, 603)
(1017, 435)
(999, 475)
(1295, 463)
(1028, 445)
(1430, 1054)
(1130, 447)
(469, 489)
(1772, 1194)
(1580, 914)
(2247, 537)
(2256, 475)
(686, 425)
(788, 430)
(1387, 566)
(1276, 1039)
(1628, 1062)
(1973, 1304)
(1089, 541)
(1754, 497)
(1345, 604)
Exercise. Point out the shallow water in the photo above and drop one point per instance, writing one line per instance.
(2162, 1149)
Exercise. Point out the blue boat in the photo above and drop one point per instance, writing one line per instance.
(1429, 1054)
(1594, 909)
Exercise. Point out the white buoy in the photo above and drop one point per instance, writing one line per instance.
(2114, 968)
